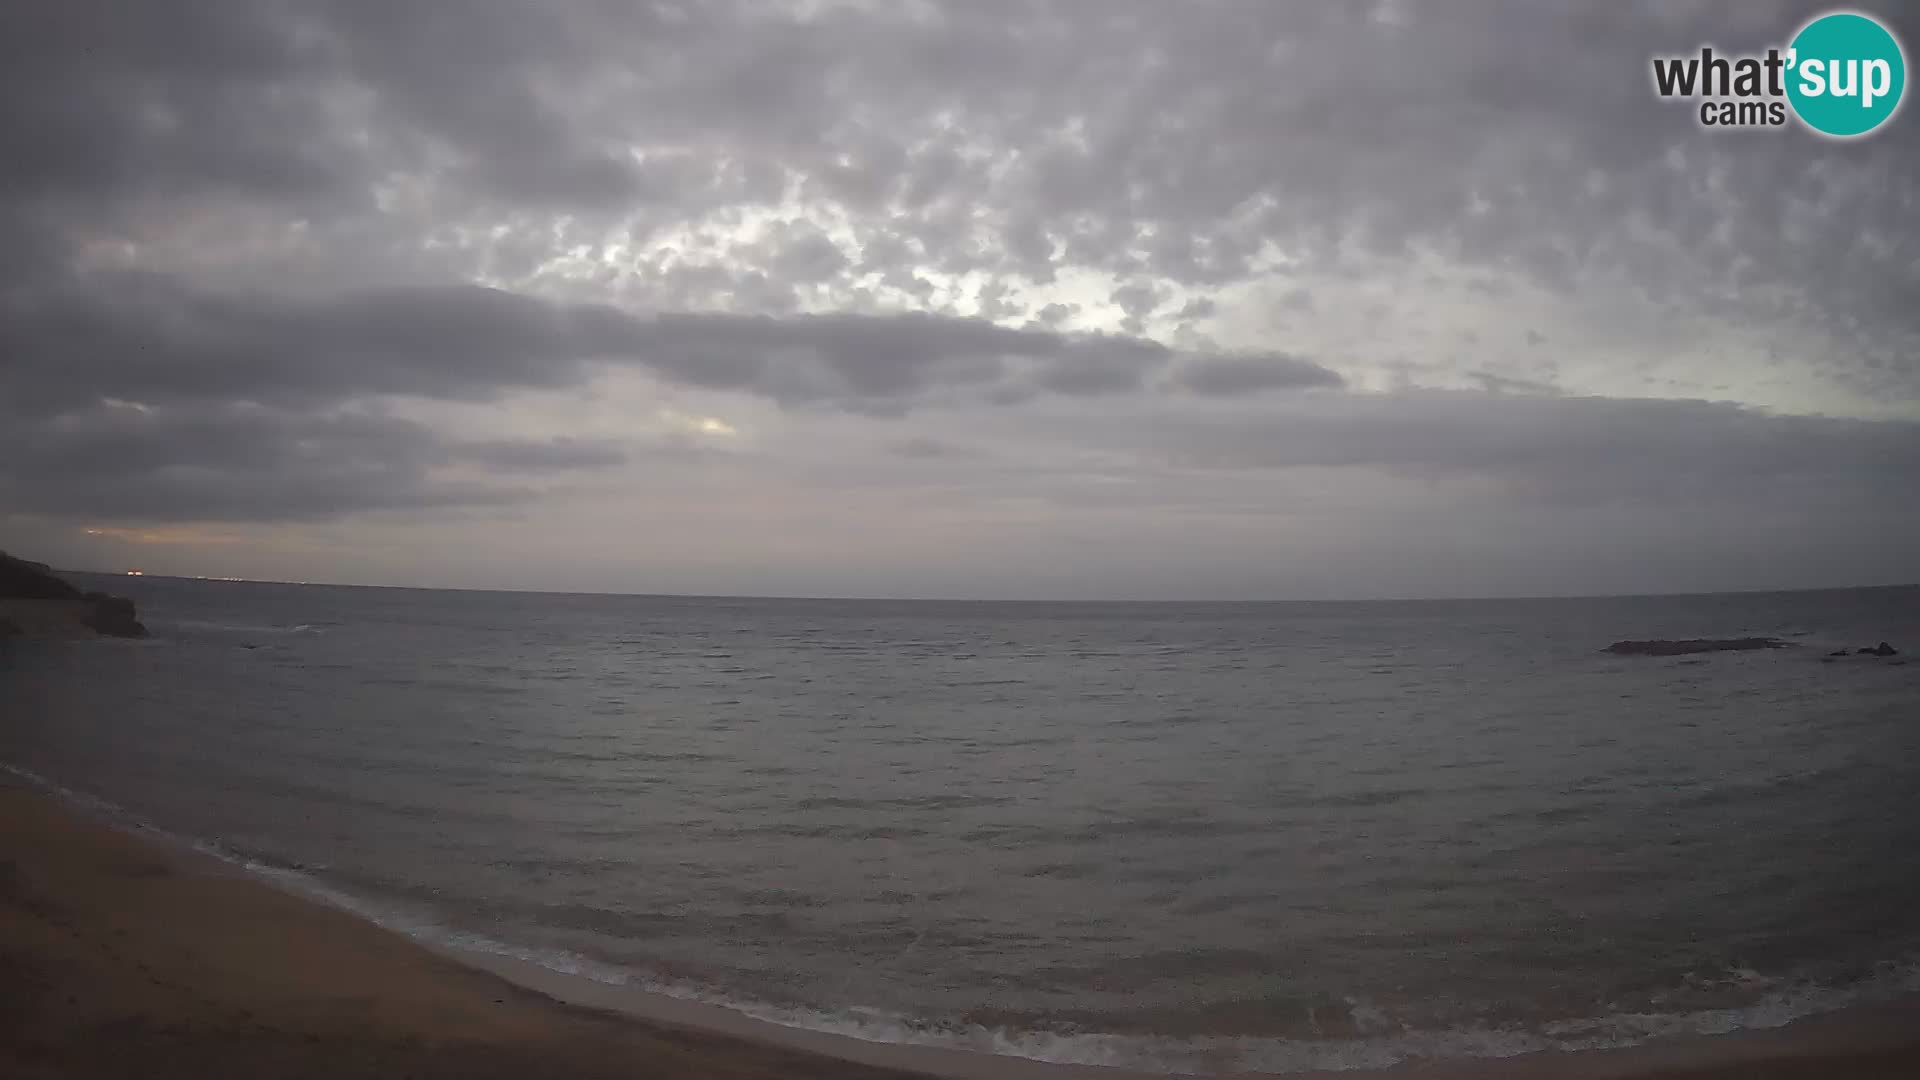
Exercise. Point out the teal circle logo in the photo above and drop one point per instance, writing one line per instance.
(1847, 74)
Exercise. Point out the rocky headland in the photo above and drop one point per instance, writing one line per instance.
(36, 602)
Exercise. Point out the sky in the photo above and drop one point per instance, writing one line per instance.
(1091, 299)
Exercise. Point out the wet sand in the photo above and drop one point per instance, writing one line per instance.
(123, 955)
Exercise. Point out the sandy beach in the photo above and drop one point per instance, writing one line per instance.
(122, 955)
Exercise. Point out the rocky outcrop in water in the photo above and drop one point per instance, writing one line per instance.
(112, 615)
(1882, 649)
(36, 602)
(1662, 647)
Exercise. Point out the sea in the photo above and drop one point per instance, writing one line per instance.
(1177, 837)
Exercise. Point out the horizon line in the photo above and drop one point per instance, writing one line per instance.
(993, 600)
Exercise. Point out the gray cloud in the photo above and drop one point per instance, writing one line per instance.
(924, 448)
(1124, 164)
(276, 227)
(1507, 384)
(145, 338)
(252, 463)
(1226, 376)
(1665, 455)
(103, 102)
(539, 455)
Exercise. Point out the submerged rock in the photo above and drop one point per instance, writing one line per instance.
(1661, 647)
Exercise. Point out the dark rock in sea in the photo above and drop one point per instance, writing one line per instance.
(1694, 645)
(32, 581)
(1882, 649)
(1839, 652)
(112, 615)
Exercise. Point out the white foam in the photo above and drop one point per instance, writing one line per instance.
(1385, 1041)
(238, 628)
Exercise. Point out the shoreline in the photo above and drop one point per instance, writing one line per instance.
(122, 944)
(124, 955)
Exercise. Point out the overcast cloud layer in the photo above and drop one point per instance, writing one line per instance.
(1078, 299)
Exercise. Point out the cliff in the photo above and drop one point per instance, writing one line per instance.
(36, 602)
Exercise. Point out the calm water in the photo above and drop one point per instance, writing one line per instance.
(1188, 836)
